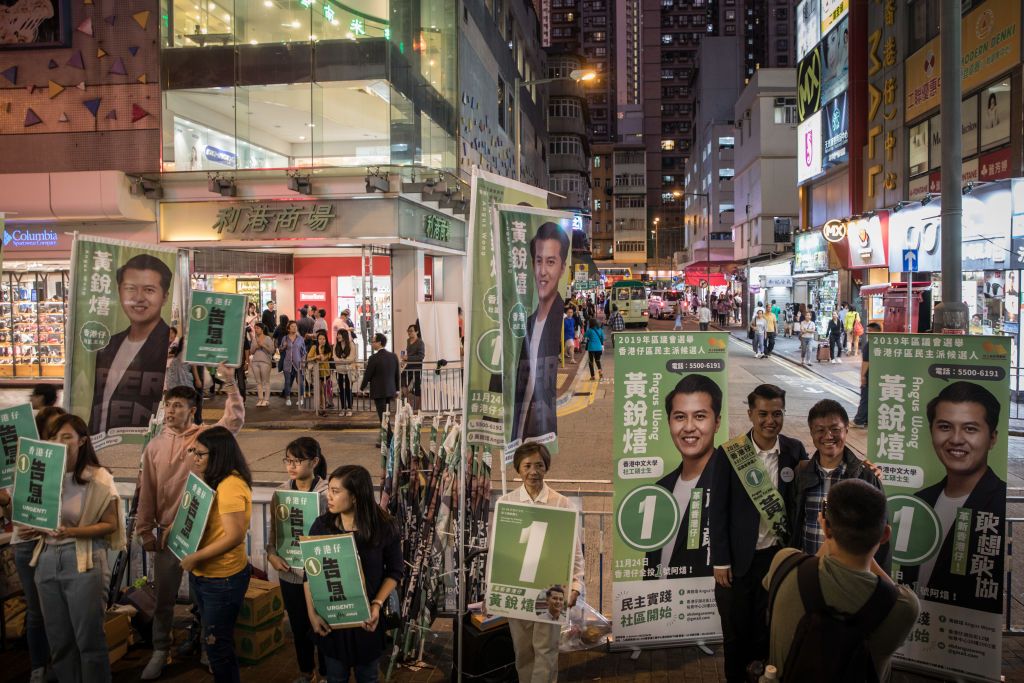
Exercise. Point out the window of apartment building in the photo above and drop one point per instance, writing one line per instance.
(726, 173)
(782, 60)
(667, 74)
(730, 15)
(632, 157)
(668, 145)
(630, 246)
(565, 107)
(785, 110)
(595, 37)
(601, 129)
(782, 29)
(565, 144)
(600, 52)
(570, 17)
(781, 44)
(597, 205)
(730, 29)
(782, 13)
(666, 38)
(668, 3)
(567, 183)
(668, 179)
(924, 22)
(628, 179)
(629, 201)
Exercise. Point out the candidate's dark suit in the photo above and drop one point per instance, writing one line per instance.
(382, 375)
(138, 393)
(540, 413)
(696, 562)
(989, 495)
(734, 525)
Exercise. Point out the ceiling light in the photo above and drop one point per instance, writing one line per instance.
(253, 42)
(310, 125)
(335, 22)
(302, 137)
(268, 3)
(296, 24)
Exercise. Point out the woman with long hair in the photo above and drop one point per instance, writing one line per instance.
(307, 471)
(219, 570)
(252, 315)
(345, 357)
(71, 562)
(322, 354)
(352, 508)
(261, 359)
(279, 333)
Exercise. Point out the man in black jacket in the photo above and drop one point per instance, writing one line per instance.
(693, 409)
(743, 541)
(964, 420)
(381, 374)
(831, 463)
(130, 369)
(269, 319)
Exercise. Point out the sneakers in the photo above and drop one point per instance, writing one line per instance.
(287, 401)
(839, 360)
(832, 361)
(155, 667)
(38, 675)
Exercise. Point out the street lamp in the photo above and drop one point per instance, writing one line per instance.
(657, 255)
(577, 75)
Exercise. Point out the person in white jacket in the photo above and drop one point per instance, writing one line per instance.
(345, 358)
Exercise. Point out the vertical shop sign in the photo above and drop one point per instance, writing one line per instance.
(15, 422)
(883, 162)
(121, 306)
(484, 414)
(531, 248)
(662, 578)
(940, 437)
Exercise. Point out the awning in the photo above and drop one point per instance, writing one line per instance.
(696, 279)
(715, 267)
(870, 290)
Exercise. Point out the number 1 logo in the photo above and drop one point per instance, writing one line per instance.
(533, 537)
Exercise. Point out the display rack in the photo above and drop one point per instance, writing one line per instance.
(33, 317)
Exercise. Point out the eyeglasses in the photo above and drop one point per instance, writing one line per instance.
(197, 454)
(291, 462)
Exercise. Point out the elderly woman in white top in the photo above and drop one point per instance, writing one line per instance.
(536, 643)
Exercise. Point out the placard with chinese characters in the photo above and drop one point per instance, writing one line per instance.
(294, 512)
(216, 325)
(15, 422)
(190, 519)
(250, 220)
(335, 577)
(38, 483)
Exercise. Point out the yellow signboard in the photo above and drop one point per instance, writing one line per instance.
(991, 46)
(831, 12)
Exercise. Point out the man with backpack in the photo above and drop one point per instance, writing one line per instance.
(837, 616)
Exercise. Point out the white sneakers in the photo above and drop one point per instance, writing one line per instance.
(287, 401)
(155, 667)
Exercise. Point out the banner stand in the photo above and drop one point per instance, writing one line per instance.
(699, 643)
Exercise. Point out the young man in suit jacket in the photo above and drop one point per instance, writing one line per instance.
(743, 542)
(693, 409)
(381, 374)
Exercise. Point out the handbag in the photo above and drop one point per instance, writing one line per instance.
(750, 333)
(390, 612)
(858, 329)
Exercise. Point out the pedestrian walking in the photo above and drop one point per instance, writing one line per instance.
(412, 366)
(269, 317)
(219, 570)
(760, 327)
(771, 328)
(280, 332)
(293, 355)
(345, 358)
(834, 333)
(260, 360)
(679, 315)
(703, 316)
(352, 508)
(307, 471)
(569, 335)
(807, 333)
(381, 375)
(595, 346)
(854, 330)
(616, 322)
(788, 326)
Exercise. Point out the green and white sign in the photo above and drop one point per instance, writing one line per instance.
(939, 407)
(484, 415)
(663, 581)
(15, 422)
(532, 248)
(216, 328)
(335, 577)
(38, 482)
(190, 520)
(530, 561)
(294, 512)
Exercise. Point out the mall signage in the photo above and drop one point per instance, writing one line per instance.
(809, 151)
(836, 131)
(24, 236)
(808, 84)
(811, 253)
(437, 228)
(250, 220)
(834, 231)
(866, 241)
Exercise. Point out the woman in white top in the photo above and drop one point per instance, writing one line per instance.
(261, 359)
(536, 643)
(345, 358)
(71, 563)
(808, 330)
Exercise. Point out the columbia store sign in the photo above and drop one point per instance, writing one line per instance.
(30, 237)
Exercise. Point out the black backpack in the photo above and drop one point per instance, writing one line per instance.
(828, 645)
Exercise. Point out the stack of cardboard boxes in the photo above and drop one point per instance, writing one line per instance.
(259, 630)
(118, 627)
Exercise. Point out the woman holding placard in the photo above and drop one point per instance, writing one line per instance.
(219, 570)
(71, 563)
(307, 471)
(352, 508)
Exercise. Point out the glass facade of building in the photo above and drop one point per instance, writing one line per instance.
(262, 84)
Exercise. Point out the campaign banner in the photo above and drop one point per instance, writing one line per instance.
(294, 513)
(532, 249)
(216, 328)
(121, 305)
(530, 562)
(15, 422)
(668, 388)
(191, 517)
(38, 483)
(335, 577)
(940, 405)
(483, 350)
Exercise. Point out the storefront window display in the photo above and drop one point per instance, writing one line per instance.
(259, 290)
(823, 294)
(32, 321)
(352, 293)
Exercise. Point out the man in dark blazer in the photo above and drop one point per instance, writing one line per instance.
(742, 542)
(693, 409)
(269, 319)
(963, 419)
(129, 373)
(534, 411)
(381, 374)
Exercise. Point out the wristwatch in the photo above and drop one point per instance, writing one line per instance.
(379, 603)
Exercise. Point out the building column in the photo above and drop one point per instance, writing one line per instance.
(407, 289)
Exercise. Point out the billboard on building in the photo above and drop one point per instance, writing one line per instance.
(836, 131)
(836, 69)
(808, 26)
(809, 153)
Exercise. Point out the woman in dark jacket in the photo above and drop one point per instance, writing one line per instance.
(352, 508)
(280, 332)
(835, 339)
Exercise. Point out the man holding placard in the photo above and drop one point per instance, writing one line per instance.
(165, 466)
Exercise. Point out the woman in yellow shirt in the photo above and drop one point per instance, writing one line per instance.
(219, 570)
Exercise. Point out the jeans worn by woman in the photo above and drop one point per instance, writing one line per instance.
(219, 601)
(759, 342)
(35, 629)
(338, 671)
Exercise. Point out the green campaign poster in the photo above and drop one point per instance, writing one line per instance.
(940, 407)
(15, 422)
(294, 513)
(190, 520)
(121, 304)
(671, 398)
(38, 482)
(530, 561)
(483, 349)
(216, 328)
(532, 248)
(335, 577)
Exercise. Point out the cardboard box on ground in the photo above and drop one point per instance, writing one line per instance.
(259, 630)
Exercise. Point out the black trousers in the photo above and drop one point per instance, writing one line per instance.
(302, 631)
(594, 357)
(770, 345)
(745, 635)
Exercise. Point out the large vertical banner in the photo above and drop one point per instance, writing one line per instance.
(531, 247)
(121, 302)
(483, 386)
(940, 436)
(670, 413)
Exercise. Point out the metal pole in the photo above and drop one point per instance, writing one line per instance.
(519, 131)
(707, 202)
(910, 303)
(951, 313)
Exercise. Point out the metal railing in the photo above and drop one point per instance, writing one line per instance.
(437, 387)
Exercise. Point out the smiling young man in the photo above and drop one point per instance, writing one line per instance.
(964, 420)
(693, 409)
(534, 414)
(744, 537)
(831, 463)
(130, 369)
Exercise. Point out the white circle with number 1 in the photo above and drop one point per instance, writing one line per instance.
(916, 530)
(648, 517)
